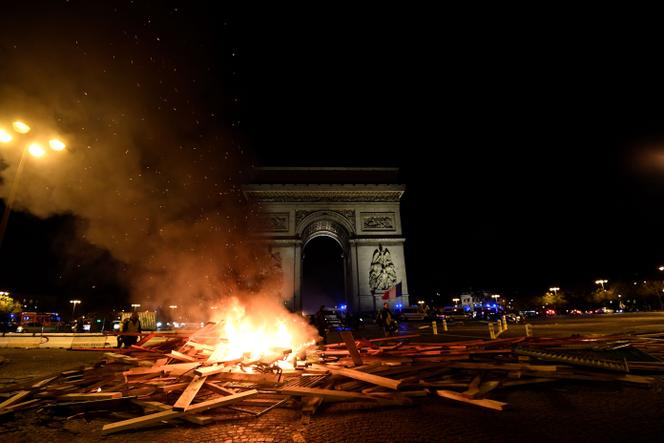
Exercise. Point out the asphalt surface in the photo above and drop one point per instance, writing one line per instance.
(561, 411)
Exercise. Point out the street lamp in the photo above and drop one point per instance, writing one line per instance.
(73, 309)
(601, 282)
(34, 149)
(135, 305)
(455, 300)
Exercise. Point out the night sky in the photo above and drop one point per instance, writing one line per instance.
(531, 150)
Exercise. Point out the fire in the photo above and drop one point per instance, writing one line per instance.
(260, 332)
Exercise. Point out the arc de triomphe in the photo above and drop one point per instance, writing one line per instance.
(357, 207)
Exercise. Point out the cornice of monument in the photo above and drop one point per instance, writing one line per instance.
(324, 192)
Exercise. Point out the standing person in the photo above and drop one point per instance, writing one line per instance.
(386, 320)
(321, 323)
(133, 325)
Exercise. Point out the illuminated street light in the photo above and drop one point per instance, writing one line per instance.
(601, 282)
(74, 302)
(135, 305)
(56, 145)
(173, 306)
(5, 137)
(21, 127)
(555, 290)
(455, 300)
(36, 150)
(661, 268)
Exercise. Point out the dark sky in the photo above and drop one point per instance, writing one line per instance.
(530, 148)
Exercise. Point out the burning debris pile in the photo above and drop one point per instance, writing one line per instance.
(168, 377)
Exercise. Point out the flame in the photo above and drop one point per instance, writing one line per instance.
(263, 332)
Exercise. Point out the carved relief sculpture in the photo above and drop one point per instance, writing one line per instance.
(378, 222)
(382, 273)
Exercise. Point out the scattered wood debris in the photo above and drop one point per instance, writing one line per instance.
(175, 379)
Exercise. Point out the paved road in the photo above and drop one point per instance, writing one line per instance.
(566, 411)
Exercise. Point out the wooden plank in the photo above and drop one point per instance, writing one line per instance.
(347, 337)
(43, 383)
(473, 387)
(329, 394)
(14, 399)
(17, 406)
(368, 378)
(210, 370)
(158, 417)
(94, 396)
(489, 404)
(173, 387)
(158, 406)
(189, 393)
(176, 369)
(263, 379)
(182, 357)
(219, 389)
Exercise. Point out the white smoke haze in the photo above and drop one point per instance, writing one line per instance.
(148, 175)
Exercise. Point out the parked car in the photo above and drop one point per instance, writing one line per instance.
(604, 311)
(455, 314)
(411, 313)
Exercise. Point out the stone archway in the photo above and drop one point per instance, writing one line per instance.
(330, 224)
(349, 205)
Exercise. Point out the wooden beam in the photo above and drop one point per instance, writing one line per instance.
(189, 393)
(210, 370)
(489, 404)
(158, 417)
(219, 389)
(20, 395)
(93, 396)
(368, 378)
(347, 336)
(182, 357)
(329, 394)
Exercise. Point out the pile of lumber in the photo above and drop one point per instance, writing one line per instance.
(175, 379)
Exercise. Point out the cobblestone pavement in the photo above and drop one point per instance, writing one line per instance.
(559, 412)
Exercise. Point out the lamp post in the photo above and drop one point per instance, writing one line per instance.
(34, 149)
(455, 301)
(555, 290)
(601, 282)
(73, 309)
(135, 305)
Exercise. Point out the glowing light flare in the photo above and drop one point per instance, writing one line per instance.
(56, 145)
(5, 137)
(36, 150)
(20, 127)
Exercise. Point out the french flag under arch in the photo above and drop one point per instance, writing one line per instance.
(393, 293)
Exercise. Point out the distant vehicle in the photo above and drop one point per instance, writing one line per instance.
(38, 322)
(411, 313)
(333, 319)
(604, 311)
(575, 312)
(455, 314)
(550, 312)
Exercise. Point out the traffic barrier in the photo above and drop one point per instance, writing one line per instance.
(444, 325)
(499, 325)
(492, 332)
(435, 328)
(529, 330)
(504, 323)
